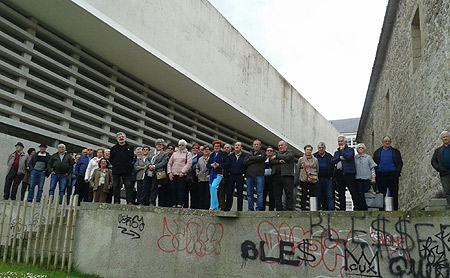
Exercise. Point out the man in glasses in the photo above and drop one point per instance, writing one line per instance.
(82, 186)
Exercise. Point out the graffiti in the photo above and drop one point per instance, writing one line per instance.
(192, 237)
(131, 226)
(402, 248)
(26, 226)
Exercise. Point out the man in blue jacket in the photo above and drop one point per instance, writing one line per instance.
(236, 171)
(346, 157)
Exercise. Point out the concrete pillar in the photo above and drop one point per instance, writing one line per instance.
(69, 100)
(109, 107)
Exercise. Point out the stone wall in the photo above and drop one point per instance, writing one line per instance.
(129, 241)
(412, 104)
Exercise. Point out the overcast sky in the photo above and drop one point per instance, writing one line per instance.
(324, 48)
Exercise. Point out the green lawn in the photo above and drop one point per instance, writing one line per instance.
(23, 271)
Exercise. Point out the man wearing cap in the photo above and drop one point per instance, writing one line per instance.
(60, 166)
(16, 170)
(37, 167)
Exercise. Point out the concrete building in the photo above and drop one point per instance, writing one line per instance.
(408, 95)
(79, 71)
(348, 128)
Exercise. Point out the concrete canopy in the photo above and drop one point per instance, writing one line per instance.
(88, 27)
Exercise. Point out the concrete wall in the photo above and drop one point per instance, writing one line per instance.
(194, 35)
(128, 241)
(416, 109)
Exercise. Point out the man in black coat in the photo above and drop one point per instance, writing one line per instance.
(121, 159)
(441, 163)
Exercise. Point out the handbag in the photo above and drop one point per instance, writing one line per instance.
(311, 178)
(161, 175)
(374, 199)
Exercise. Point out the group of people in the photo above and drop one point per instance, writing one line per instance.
(209, 176)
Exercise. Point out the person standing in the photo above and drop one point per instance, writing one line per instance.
(82, 187)
(121, 159)
(283, 176)
(101, 181)
(191, 184)
(268, 181)
(178, 166)
(255, 163)
(324, 187)
(26, 178)
(140, 168)
(16, 170)
(441, 163)
(216, 164)
(235, 177)
(37, 166)
(156, 162)
(390, 164)
(309, 170)
(202, 173)
(59, 166)
(345, 158)
(365, 175)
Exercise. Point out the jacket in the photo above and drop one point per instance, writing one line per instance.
(82, 165)
(287, 169)
(95, 182)
(140, 162)
(22, 162)
(33, 160)
(236, 166)
(255, 163)
(93, 164)
(304, 163)
(436, 162)
(179, 162)
(201, 170)
(160, 161)
(348, 165)
(121, 159)
(221, 159)
(60, 167)
(364, 165)
(328, 157)
(396, 157)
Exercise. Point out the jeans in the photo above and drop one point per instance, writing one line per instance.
(251, 183)
(62, 180)
(36, 178)
(12, 179)
(117, 186)
(213, 190)
(238, 181)
(325, 193)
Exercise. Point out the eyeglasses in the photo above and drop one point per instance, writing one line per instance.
(170, 149)
(270, 151)
(180, 145)
(90, 150)
(195, 148)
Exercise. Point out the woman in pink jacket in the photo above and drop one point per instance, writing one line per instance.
(178, 166)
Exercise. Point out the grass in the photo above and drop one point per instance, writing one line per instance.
(10, 270)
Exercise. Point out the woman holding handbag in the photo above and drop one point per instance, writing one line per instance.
(309, 171)
(365, 175)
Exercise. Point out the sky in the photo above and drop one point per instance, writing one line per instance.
(324, 48)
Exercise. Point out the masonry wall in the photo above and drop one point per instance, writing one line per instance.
(411, 102)
(128, 241)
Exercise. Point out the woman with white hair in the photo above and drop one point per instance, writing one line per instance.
(365, 175)
(178, 166)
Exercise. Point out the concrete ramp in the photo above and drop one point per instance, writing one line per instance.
(128, 241)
